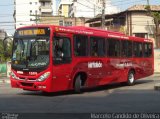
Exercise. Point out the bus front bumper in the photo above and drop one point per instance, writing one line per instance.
(30, 85)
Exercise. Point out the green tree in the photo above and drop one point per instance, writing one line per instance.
(3, 57)
(156, 18)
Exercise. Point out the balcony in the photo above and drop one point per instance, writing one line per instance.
(46, 9)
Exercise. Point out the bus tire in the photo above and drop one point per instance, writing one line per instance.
(131, 78)
(78, 84)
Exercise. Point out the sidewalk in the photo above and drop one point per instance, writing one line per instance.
(4, 80)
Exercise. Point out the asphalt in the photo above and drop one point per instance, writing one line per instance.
(115, 98)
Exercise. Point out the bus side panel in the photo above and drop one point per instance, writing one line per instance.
(61, 77)
(143, 67)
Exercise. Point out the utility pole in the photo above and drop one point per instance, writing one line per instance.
(103, 14)
(36, 17)
(94, 10)
(148, 2)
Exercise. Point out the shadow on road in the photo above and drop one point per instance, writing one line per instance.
(94, 89)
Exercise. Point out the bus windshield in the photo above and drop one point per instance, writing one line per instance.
(30, 53)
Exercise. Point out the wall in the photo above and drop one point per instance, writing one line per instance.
(141, 23)
(55, 20)
(157, 60)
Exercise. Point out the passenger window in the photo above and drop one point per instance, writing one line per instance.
(130, 47)
(80, 45)
(126, 48)
(113, 47)
(61, 50)
(147, 49)
(97, 45)
(138, 50)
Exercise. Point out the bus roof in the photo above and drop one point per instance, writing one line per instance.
(90, 31)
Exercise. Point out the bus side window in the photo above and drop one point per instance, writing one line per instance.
(147, 49)
(113, 47)
(80, 45)
(61, 50)
(124, 48)
(130, 47)
(97, 46)
(138, 49)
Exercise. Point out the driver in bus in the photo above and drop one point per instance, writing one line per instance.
(60, 48)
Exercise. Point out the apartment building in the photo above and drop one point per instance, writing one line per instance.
(90, 8)
(82, 8)
(26, 12)
(134, 21)
(64, 7)
(64, 21)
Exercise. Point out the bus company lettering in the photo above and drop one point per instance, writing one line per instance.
(125, 64)
(94, 64)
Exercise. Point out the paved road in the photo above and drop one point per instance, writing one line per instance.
(111, 98)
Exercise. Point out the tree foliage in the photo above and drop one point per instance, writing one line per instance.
(156, 18)
(3, 57)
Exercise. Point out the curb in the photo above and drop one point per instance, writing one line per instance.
(157, 86)
(4, 81)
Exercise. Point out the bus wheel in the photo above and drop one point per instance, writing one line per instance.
(78, 84)
(131, 78)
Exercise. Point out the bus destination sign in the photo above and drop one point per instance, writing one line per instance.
(33, 32)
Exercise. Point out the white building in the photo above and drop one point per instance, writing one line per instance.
(90, 8)
(109, 8)
(55, 7)
(26, 12)
(82, 8)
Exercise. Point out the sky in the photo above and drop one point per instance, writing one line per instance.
(7, 10)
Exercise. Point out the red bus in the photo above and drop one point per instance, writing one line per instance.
(55, 58)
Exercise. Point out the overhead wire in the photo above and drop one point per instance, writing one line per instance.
(113, 4)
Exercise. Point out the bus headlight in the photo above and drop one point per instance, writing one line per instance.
(14, 76)
(43, 76)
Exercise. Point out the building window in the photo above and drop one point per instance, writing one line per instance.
(61, 22)
(43, 3)
(36, 11)
(68, 23)
(80, 45)
(30, 11)
(30, 3)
